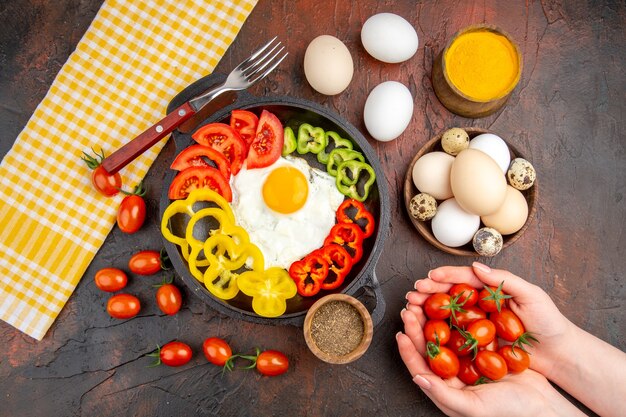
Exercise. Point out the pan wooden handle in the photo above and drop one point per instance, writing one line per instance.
(129, 152)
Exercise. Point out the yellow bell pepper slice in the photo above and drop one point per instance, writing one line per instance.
(224, 226)
(269, 289)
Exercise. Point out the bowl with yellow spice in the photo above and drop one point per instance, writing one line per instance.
(476, 72)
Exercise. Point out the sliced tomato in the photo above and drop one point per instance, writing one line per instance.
(224, 139)
(197, 155)
(193, 178)
(245, 122)
(267, 145)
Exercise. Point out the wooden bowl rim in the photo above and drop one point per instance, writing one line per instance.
(424, 229)
(368, 329)
(476, 28)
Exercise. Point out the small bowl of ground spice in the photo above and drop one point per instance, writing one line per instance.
(338, 329)
(476, 72)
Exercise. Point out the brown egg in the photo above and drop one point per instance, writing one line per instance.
(511, 216)
(477, 182)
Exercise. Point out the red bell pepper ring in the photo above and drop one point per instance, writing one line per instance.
(309, 273)
(348, 235)
(353, 211)
(339, 265)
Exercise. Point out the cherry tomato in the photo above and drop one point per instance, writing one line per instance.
(436, 305)
(175, 354)
(110, 279)
(196, 155)
(267, 144)
(123, 306)
(169, 299)
(463, 319)
(492, 299)
(217, 351)
(193, 178)
(437, 331)
(272, 363)
(456, 343)
(470, 296)
(483, 331)
(442, 361)
(224, 139)
(105, 183)
(131, 213)
(490, 364)
(244, 122)
(516, 359)
(508, 326)
(146, 262)
(467, 371)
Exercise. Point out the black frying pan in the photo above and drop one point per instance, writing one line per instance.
(361, 282)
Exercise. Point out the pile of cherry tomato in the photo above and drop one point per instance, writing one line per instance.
(472, 334)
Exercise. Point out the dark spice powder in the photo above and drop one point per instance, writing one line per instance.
(337, 328)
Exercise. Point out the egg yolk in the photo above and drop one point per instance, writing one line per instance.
(285, 190)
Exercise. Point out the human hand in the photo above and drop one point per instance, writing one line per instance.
(525, 394)
(530, 303)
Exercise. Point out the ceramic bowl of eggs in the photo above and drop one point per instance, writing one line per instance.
(469, 192)
(285, 207)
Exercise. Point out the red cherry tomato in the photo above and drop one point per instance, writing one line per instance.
(217, 351)
(131, 213)
(107, 184)
(470, 296)
(146, 262)
(483, 331)
(123, 306)
(110, 279)
(456, 343)
(224, 139)
(438, 328)
(516, 359)
(175, 354)
(193, 178)
(272, 363)
(267, 144)
(492, 299)
(490, 364)
(508, 326)
(467, 371)
(465, 318)
(169, 299)
(244, 122)
(436, 305)
(442, 361)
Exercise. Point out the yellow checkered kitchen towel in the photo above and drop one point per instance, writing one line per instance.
(133, 59)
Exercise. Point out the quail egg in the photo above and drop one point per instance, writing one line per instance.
(521, 174)
(423, 206)
(487, 241)
(454, 141)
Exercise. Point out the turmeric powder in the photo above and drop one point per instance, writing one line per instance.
(483, 65)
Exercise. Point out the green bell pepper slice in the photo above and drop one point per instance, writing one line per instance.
(337, 156)
(338, 142)
(310, 139)
(350, 174)
(289, 145)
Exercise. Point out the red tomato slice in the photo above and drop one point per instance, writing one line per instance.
(268, 142)
(245, 122)
(226, 140)
(194, 156)
(199, 177)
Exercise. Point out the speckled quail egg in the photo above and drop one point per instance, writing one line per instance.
(454, 140)
(487, 241)
(521, 174)
(423, 206)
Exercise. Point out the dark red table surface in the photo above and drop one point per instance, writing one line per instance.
(566, 115)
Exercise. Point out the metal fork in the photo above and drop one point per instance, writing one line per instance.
(256, 67)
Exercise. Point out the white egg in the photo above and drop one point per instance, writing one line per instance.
(328, 65)
(495, 147)
(283, 238)
(388, 110)
(454, 226)
(389, 38)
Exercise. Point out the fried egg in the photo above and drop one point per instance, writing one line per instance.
(287, 208)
